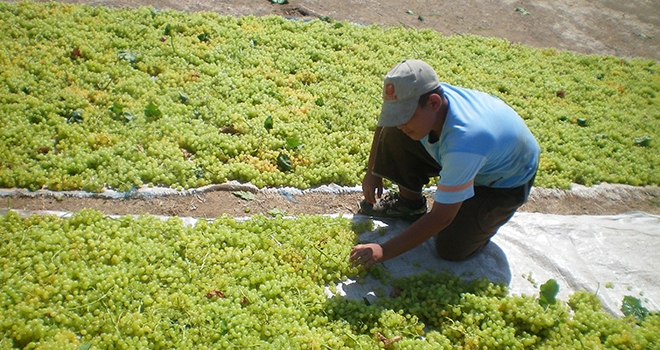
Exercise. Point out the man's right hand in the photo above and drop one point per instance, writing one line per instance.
(372, 187)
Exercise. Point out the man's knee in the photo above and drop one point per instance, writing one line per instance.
(457, 252)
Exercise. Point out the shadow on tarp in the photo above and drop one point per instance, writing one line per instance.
(490, 263)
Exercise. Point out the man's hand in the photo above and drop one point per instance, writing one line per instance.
(372, 184)
(366, 255)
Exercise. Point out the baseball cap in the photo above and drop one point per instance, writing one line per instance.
(402, 87)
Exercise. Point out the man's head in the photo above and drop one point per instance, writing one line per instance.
(402, 88)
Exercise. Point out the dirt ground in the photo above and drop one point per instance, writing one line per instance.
(628, 28)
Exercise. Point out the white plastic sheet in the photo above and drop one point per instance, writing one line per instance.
(612, 256)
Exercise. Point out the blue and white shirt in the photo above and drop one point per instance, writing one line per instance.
(483, 142)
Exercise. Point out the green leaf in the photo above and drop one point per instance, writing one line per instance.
(203, 37)
(320, 102)
(268, 123)
(548, 293)
(117, 109)
(632, 306)
(118, 113)
(293, 143)
(75, 116)
(246, 195)
(128, 116)
(183, 98)
(644, 141)
(152, 112)
(277, 212)
(85, 346)
(127, 55)
(522, 11)
(284, 162)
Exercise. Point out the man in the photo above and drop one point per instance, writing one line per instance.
(482, 150)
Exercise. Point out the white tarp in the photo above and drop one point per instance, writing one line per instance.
(613, 256)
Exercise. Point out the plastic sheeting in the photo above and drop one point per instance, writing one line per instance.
(612, 256)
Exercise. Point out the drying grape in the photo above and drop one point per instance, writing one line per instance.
(144, 282)
(95, 98)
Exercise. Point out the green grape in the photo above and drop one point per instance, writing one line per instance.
(320, 94)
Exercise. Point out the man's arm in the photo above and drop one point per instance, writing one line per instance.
(440, 216)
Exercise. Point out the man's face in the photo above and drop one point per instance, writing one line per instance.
(420, 124)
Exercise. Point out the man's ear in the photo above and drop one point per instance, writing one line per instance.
(435, 101)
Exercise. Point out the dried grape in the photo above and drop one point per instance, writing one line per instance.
(94, 97)
(145, 282)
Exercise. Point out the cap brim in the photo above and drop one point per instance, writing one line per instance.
(395, 113)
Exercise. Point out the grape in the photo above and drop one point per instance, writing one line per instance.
(145, 282)
(212, 81)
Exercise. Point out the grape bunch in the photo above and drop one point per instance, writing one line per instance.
(94, 98)
(145, 282)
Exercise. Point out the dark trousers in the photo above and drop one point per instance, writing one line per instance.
(406, 163)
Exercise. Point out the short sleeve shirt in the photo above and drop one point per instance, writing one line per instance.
(483, 142)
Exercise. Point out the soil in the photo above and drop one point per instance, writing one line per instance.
(607, 200)
(622, 28)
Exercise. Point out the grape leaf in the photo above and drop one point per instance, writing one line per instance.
(522, 11)
(117, 109)
(85, 346)
(127, 55)
(128, 116)
(268, 123)
(183, 98)
(284, 162)
(167, 30)
(643, 141)
(328, 124)
(277, 212)
(632, 306)
(247, 195)
(204, 37)
(152, 112)
(548, 293)
(293, 143)
(75, 116)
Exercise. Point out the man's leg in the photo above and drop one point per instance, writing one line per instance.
(478, 221)
(405, 162)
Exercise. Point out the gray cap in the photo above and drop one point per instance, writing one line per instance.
(402, 87)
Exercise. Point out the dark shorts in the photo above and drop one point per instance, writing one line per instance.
(406, 163)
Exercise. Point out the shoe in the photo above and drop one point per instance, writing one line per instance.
(392, 206)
